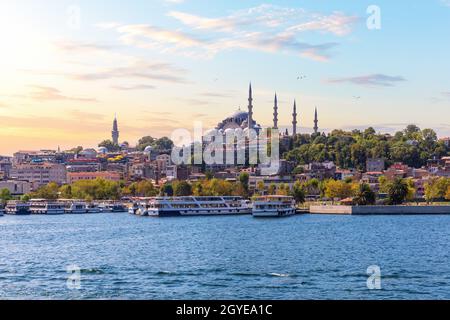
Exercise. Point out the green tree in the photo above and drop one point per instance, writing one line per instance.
(109, 145)
(182, 189)
(244, 179)
(337, 189)
(397, 192)
(298, 192)
(145, 142)
(48, 192)
(364, 195)
(167, 190)
(5, 196)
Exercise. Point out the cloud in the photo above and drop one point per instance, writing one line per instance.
(83, 115)
(446, 3)
(446, 94)
(134, 87)
(265, 28)
(2, 105)
(43, 93)
(215, 95)
(373, 80)
(81, 47)
(137, 70)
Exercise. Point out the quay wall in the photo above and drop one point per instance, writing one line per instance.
(380, 210)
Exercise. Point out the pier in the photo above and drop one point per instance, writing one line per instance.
(380, 210)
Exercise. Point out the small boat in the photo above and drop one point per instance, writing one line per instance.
(76, 207)
(92, 208)
(18, 208)
(273, 206)
(112, 206)
(42, 206)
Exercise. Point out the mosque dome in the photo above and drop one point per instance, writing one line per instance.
(148, 149)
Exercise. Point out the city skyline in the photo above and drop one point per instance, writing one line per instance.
(161, 65)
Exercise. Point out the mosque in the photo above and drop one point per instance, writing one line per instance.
(244, 119)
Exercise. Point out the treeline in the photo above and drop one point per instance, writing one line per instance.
(411, 146)
(395, 191)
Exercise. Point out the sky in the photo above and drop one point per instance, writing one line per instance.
(67, 67)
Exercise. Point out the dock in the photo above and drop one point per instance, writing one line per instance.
(381, 210)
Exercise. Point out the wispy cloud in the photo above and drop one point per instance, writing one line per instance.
(137, 70)
(372, 80)
(43, 93)
(135, 87)
(446, 94)
(266, 28)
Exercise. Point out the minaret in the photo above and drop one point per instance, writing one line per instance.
(115, 131)
(250, 108)
(294, 120)
(316, 122)
(275, 113)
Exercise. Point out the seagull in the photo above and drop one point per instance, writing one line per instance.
(357, 97)
(301, 77)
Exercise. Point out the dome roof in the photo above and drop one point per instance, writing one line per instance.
(239, 115)
(148, 149)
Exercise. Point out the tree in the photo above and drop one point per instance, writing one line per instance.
(260, 187)
(182, 189)
(298, 192)
(144, 142)
(447, 194)
(163, 144)
(48, 192)
(167, 190)
(66, 191)
(244, 178)
(109, 145)
(272, 189)
(436, 188)
(365, 196)
(397, 192)
(5, 196)
(337, 189)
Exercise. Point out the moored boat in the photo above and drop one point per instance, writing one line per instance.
(19, 208)
(92, 208)
(273, 206)
(75, 207)
(42, 206)
(195, 206)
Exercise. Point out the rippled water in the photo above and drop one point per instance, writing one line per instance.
(302, 257)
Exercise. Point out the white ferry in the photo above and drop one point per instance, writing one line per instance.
(109, 206)
(76, 207)
(18, 208)
(191, 206)
(42, 206)
(273, 206)
(92, 208)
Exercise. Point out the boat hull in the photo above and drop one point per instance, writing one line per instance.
(196, 213)
(275, 213)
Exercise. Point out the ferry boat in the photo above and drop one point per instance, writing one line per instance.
(111, 207)
(18, 208)
(273, 206)
(42, 206)
(92, 208)
(192, 206)
(76, 207)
